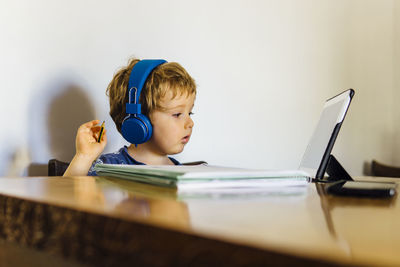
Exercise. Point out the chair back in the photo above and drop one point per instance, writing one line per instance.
(56, 167)
(379, 169)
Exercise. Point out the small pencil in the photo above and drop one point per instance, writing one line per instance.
(101, 132)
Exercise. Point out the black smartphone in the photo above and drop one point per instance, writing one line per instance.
(362, 189)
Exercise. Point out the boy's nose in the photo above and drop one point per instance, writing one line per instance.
(189, 123)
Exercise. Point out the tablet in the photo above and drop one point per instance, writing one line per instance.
(315, 158)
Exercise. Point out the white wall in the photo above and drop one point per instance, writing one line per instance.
(263, 70)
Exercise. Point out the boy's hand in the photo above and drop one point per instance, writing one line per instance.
(87, 148)
(86, 140)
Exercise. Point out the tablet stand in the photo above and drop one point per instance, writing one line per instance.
(335, 171)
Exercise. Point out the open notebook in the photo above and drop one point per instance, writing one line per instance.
(313, 164)
(203, 176)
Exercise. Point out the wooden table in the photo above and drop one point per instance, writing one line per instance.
(109, 222)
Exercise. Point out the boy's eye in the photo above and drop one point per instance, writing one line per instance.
(177, 115)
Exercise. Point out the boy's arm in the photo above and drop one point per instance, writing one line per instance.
(79, 166)
(87, 148)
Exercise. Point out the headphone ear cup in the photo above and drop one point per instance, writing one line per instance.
(136, 129)
(149, 127)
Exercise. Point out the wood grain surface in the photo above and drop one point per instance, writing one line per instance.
(109, 222)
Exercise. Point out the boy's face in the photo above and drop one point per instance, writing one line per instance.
(172, 127)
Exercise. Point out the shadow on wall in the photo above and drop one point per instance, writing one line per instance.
(67, 112)
(66, 108)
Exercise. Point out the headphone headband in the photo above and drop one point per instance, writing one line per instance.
(137, 79)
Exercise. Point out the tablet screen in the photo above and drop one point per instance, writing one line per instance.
(325, 133)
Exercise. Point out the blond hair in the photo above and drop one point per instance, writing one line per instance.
(166, 77)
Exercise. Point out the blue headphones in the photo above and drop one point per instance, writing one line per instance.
(136, 127)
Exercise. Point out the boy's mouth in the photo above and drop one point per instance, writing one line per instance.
(185, 139)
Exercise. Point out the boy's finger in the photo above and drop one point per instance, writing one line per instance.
(90, 124)
(96, 128)
(86, 127)
(93, 123)
(96, 131)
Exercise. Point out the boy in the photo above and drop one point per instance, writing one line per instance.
(167, 99)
